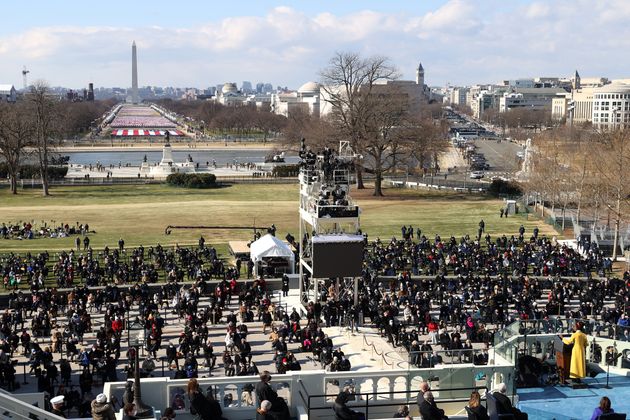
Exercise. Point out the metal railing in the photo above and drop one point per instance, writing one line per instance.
(368, 399)
(444, 357)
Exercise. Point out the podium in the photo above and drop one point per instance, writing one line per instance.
(563, 359)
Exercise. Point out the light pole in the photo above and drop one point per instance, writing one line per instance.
(613, 113)
(136, 338)
(571, 110)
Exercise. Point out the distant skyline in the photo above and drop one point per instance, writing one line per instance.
(199, 44)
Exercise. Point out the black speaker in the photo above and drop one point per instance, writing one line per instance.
(337, 256)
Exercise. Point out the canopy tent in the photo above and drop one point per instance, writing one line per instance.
(270, 247)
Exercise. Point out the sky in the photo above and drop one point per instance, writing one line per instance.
(203, 43)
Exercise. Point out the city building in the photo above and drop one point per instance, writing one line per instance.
(519, 83)
(530, 98)
(306, 99)
(577, 107)
(416, 92)
(482, 98)
(229, 95)
(8, 93)
(611, 105)
(458, 96)
(90, 93)
(246, 87)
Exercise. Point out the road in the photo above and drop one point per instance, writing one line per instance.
(500, 156)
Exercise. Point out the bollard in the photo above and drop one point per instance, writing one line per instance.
(162, 366)
(24, 375)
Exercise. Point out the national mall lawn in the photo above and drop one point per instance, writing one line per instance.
(140, 213)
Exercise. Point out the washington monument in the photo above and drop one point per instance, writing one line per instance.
(134, 74)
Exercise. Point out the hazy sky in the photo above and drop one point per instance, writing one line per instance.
(202, 43)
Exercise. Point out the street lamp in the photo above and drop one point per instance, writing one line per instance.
(613, 113)
(136, 338)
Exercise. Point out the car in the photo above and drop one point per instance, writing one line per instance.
(480, 166)
(476, 175)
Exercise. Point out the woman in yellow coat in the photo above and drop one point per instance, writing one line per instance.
(578, 354)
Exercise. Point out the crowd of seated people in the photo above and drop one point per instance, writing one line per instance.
(27, 230)
(467, 291)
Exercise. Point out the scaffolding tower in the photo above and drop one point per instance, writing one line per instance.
(326, 211)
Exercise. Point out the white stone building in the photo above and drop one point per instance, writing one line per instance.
(611, 106)
(535, 99)
(306, 99)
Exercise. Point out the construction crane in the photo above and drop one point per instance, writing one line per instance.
(169, 228)
(24, 78)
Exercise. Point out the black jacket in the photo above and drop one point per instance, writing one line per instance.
(431, 411)
(504, 406)
(200, 404)
(478, 413)
(264, 391)
(343, 412)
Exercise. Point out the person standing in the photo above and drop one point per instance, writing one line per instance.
(199, 404)
(264, 391)
(424, 387)
(285, 285)
(578, 354)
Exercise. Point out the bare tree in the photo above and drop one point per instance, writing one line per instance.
(47, 127)
(320, 132)
(16, 131)
(612, 154)
(384, 143)
(267, 122)
(348, 85)
(427, 140)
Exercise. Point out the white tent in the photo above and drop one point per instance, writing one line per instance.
(271, 247)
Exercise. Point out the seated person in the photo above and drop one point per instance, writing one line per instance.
(504, 405)
(429, 409)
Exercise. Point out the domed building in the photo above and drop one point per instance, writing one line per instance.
(305, 99)
(229, 88)
(229, 95)
(309, 89)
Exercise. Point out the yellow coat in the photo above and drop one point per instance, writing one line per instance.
(578, 354)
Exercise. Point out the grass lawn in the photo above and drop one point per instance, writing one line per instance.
(139, 214)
